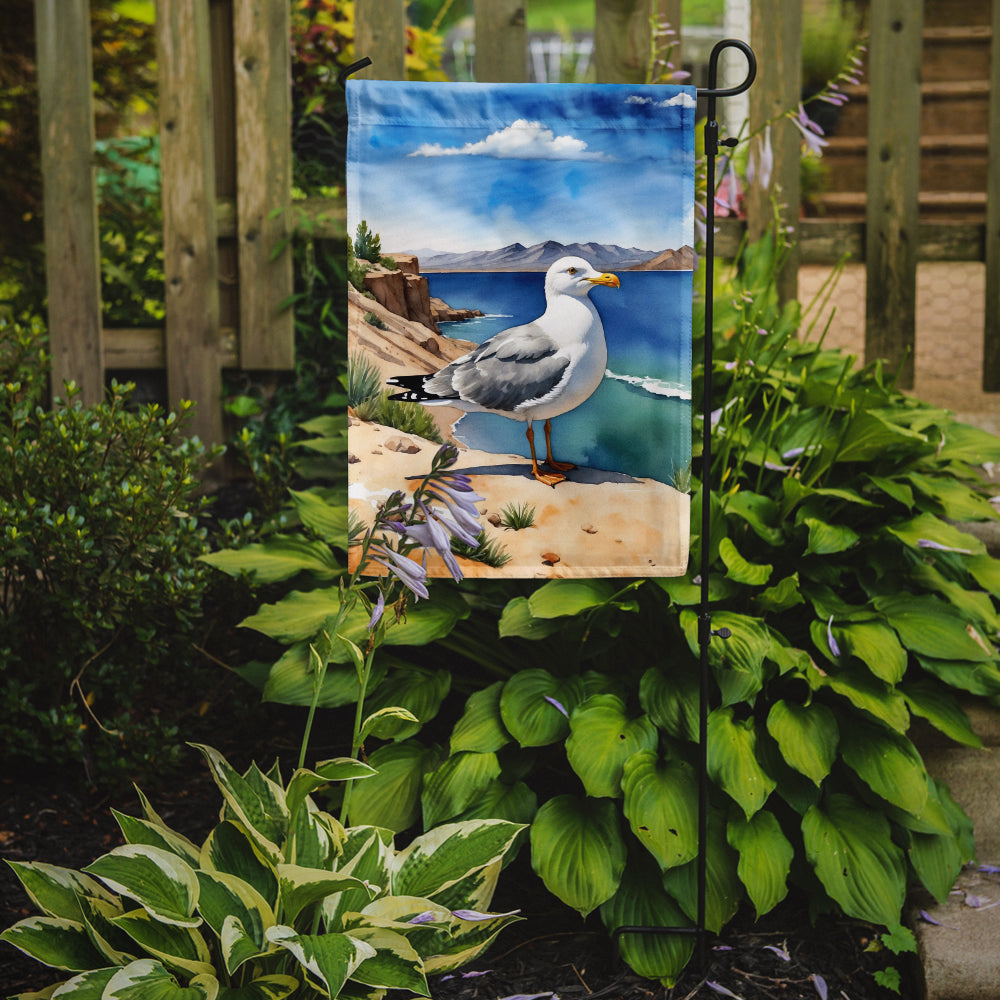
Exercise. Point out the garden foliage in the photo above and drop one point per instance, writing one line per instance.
(280, 899)
(855, 605)
(99, 546)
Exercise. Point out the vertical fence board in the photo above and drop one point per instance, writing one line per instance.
(380, 34)
(893, 183)
(776, 34)
(991, 333)
(72, 257)
(190, 254)
(501, 41)
(261, 57)
(622, 40)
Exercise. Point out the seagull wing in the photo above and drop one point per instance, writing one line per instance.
(517, 366)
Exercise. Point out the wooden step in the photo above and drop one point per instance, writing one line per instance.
(956, 53)
(957, 206)
(947, 162)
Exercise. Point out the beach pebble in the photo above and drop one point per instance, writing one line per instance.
(550, 558)
(402, 445)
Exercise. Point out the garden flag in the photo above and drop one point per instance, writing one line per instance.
(529, 281)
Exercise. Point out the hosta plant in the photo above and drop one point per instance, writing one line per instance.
(279, 900)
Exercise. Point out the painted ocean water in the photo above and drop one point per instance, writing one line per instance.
(638, 422)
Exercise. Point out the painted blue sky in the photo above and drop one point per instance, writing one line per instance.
(456, 167)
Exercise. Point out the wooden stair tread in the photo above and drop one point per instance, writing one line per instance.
(958, 33)
(935, 199)
(846, 145)
(933, 89)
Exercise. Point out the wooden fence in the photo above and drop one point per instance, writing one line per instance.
(226, 161)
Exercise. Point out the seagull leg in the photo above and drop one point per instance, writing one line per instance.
(548, 478)
(549, 460)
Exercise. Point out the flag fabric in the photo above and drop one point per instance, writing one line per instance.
(522, 286)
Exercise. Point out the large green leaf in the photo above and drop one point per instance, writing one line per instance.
(438, 859)
(391, 798)
(932, 628)
(732, 760)
(535, 706)
(866, 692)
(456, 784)
(641, 901)
(147, 979)
(280, 557)
(291, 680)
(419, 690)
(850, 848)
(723, 889)
(225, 897)
(828, 539)
(229, 848)
(54, 941)
(739, 569)
(986, 571)
(888, 763)
(273, 987)
(941, 709)
(670, 698)
(758, 511)
(765, 858)
(143, 831)
(602, 738)
(516, 803)
(301, 887)
(304, 782)
(661, 806)
(807, 736)
(738, 661)
(56, 891)
(328, 521)
(876, 646)
(481, 728)
(976, 678)
(928, 528)
(870, 435)
(163, 884)
(329, 959)
(517, 620)
(86, 986)
(578, 851)
(559, 598)
(956, 500)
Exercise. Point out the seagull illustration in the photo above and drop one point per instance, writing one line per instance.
(532, 372)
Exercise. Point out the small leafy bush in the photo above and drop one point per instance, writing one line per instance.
(99, 574)
(517, 516)
(280, 899)
(367, 245)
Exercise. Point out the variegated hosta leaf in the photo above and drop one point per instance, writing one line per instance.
(642, 902)
(481, 727)
(578, 851)
(367, 853)
(304, 782)
(535, 706)
(230, 849)
(54, 941)
(602, 737)
(273, 987)
(56, 891)
(177, 947)
(441, 857)
(807, 736)
(850, 847)
(661, 805)
(732, 760)
(147, 979)
(456, 784)
(468, 939)
(300, 887)
(329, 959)
(141, 831)
(225, 897)
(315, 839)
(395, 964)
(723, 889)
(256, 801)
(158, 880)
(86, 986)
(765, 858)
(116, 946)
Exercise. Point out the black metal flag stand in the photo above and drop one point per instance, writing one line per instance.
(705, 630)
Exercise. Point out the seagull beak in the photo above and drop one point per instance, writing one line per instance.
(606, 279)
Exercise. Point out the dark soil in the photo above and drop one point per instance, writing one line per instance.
(551, 952)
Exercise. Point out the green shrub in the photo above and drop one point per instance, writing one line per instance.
(99, 539)
(367, 245)
(280, 899)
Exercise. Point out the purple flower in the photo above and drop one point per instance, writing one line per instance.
(427, 917)
(780, 952)
(552, 701)
(927, 543)
(410, 574)
(811, 132)
(377, 611)
(475, 915)
(834, 648)
(719, 988)
(820, 983)
(761, 163)
(428, 535)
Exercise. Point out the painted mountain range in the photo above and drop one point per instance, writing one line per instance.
(517, 257)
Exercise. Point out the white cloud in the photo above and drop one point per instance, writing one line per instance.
(523, 140)
(681, 100)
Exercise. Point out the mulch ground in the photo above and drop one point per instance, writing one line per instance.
(550, 953)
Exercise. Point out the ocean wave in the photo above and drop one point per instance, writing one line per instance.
(654, 386)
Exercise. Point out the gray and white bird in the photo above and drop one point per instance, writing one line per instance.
(536, 371)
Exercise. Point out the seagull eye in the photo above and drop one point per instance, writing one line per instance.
(571, 270)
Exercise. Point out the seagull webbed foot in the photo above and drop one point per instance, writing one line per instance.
(547, 478)
(559, 466)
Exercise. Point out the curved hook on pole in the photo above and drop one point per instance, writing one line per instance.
(353, 68)
(712, 90)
